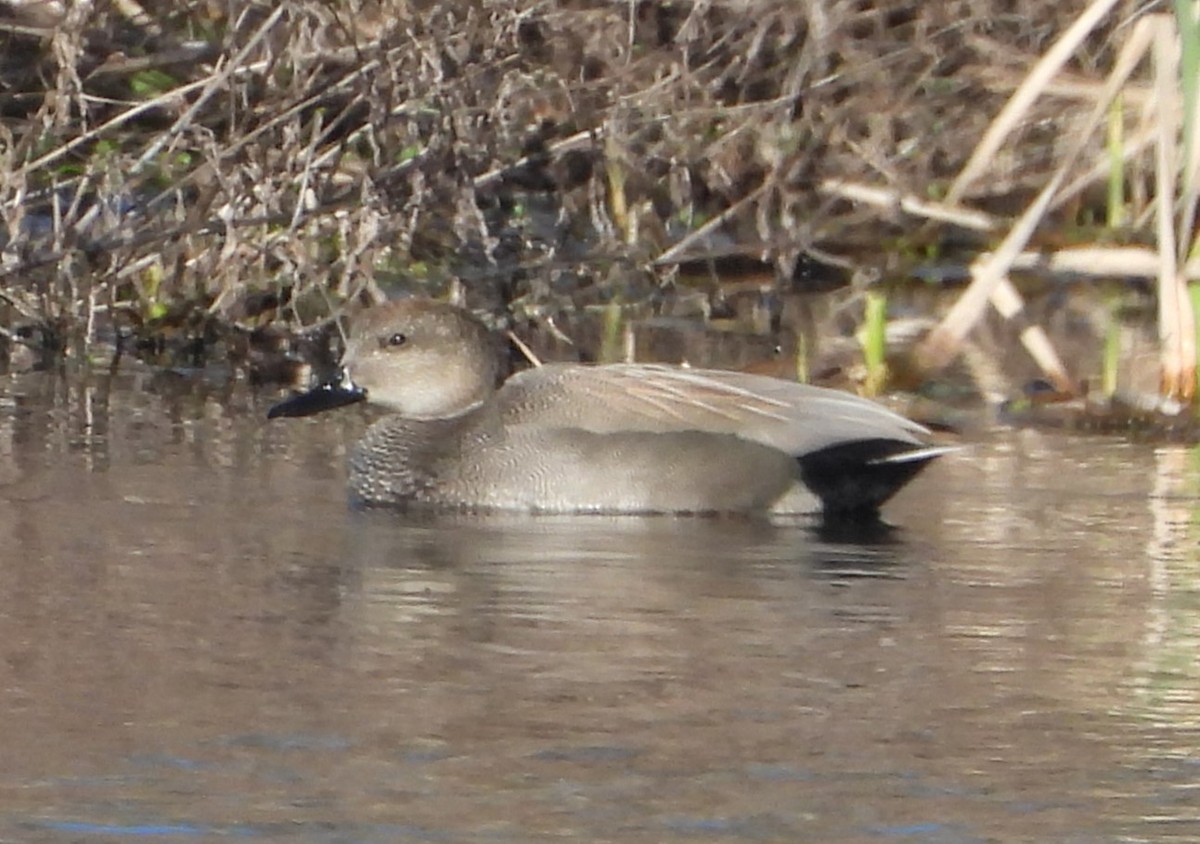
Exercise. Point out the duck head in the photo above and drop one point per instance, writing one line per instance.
(416, 358)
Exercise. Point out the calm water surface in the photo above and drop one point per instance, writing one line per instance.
(201, 641)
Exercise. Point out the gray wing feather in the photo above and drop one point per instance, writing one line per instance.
(792, 417)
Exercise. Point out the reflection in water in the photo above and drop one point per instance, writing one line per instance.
(200, 639)
(1168, 679)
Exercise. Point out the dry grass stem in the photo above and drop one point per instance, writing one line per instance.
(1176, 320)
(1031, 88)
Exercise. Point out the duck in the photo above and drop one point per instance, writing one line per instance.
(623, 438)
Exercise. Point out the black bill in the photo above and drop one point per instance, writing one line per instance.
(338, 392)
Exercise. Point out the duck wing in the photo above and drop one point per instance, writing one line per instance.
(798, 419)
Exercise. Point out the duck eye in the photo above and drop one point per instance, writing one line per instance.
(396, 339)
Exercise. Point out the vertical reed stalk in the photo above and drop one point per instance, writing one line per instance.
(874, 342)
(1116, 163)
(803, 365)
(1189, 191)
(613, 346)
(1110, 365)
(1112, 345)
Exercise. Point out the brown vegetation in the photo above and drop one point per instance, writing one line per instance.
(177, 173)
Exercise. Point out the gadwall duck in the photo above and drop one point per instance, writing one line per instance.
(617, 438)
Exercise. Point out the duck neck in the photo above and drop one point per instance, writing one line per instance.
(401, 460)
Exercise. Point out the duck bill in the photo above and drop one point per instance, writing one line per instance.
(338, 392)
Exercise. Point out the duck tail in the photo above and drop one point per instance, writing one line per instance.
(854, 479)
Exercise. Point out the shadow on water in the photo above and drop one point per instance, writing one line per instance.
(200, 639)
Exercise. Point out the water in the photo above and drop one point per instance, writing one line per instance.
(200, 640)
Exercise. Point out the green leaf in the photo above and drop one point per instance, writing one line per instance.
(151, 83)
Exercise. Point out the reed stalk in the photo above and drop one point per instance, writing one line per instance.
(873, 337)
